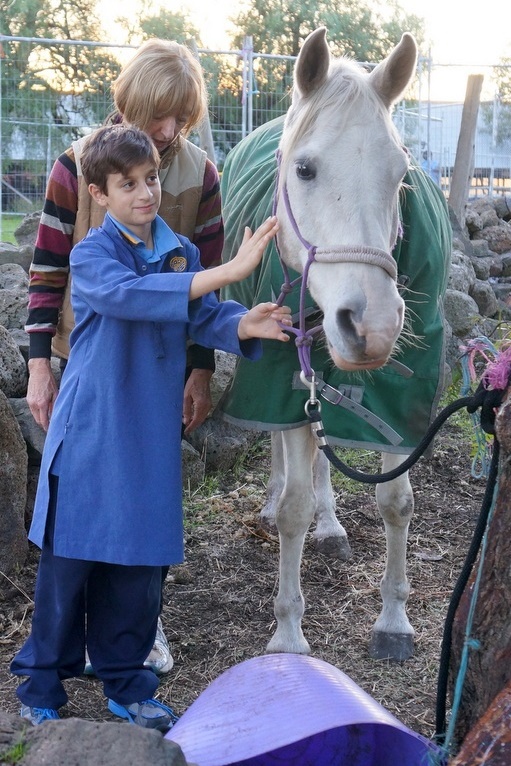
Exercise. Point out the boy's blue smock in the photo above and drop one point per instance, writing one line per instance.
(118, 413)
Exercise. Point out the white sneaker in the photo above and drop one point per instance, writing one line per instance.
(88, 669)
(160, 659)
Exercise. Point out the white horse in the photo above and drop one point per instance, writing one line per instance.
(341, 170)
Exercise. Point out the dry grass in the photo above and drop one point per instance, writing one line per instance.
(219, 604)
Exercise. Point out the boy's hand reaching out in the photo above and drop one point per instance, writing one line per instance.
(263, 320)
(242, 265)
(251, 249)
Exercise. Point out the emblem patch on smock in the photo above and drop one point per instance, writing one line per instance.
(178, 263)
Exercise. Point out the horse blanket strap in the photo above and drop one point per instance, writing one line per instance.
(334, 396)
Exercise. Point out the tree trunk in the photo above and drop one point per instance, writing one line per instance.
(489, 741)
(489, 666)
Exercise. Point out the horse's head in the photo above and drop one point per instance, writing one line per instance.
(342, 165)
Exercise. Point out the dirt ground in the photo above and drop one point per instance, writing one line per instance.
(219, 604)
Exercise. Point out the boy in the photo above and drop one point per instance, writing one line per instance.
(108, 511)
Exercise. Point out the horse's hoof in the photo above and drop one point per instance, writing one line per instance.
(334, 547)
(267, 525)
(297, 646)
(391, 646)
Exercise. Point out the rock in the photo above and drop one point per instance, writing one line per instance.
(502, 290)
(13, 490)
(13, 296)
(503, 206)
(480, 248)
(505, 260)
(21, 256)
(33, 434)
(74, 742)
(224, 364)
(220, 443)
(462, 275)
(498, 237)
(461, 312)
(193, 467)
(473, 221)
(485, 298)
(13, 368)
(26, 232)
(481, 267)
(484, 207)
(21, 339)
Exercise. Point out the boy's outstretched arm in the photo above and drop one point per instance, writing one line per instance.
(262, 321)
(242, 265)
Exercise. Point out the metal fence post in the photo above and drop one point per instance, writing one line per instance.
(246, 85)
(250, 84)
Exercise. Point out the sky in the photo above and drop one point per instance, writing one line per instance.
(472, 36)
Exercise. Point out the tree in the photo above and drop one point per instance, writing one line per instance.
(41, 81)
(50, 90)
(355, 29)
(502, 74)
(165, 24)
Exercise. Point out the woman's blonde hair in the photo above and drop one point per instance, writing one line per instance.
(162, 79)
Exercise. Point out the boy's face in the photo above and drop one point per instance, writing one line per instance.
(133, 198)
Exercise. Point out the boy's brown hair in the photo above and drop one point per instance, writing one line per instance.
(115, 149)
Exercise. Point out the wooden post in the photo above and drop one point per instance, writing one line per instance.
(464, 162)
(204, 128)
(489, 665)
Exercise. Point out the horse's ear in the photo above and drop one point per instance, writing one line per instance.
(312, 64)
(391, 78)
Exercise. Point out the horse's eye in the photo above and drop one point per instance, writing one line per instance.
(305, 170)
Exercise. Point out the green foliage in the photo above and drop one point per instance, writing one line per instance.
(497, 117)
(166, 25)
(55, 83)
(197, 503)
(360, 460)
(9, 225)
(355, 28)
(502, 74)
(15, 754)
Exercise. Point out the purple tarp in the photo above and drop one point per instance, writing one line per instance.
(292, 710)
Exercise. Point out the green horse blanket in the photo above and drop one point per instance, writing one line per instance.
(267, 395)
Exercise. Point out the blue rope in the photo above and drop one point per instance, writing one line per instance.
(469, 643)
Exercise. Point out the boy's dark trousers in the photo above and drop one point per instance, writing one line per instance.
(122, 605)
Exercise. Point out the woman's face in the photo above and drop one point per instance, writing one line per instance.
(163, 130)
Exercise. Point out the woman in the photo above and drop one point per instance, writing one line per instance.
(161, 91)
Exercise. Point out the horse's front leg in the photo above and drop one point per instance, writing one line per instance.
(295, 511)
(392, 636)
(329, 535)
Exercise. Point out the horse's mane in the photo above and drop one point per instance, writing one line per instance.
(347, 82)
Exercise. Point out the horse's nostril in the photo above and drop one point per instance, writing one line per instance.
(346, 320)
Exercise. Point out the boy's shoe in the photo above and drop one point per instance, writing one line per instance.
(37, 715)
(160, 659)
(149, 713)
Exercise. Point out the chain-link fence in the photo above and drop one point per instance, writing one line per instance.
(53, 91)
